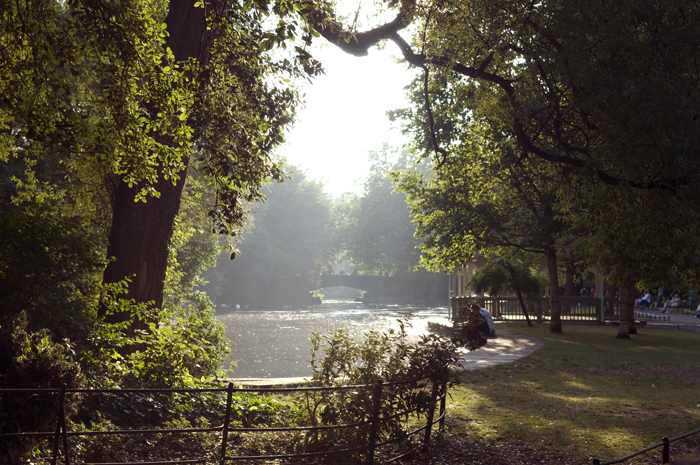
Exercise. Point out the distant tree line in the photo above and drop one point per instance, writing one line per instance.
(299, 232)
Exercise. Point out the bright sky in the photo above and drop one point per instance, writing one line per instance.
(345, 117)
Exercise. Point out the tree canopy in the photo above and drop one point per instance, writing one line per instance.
(375, 229)
(285, 250)
(604, 94)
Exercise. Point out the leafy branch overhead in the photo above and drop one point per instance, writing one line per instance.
(580, 84)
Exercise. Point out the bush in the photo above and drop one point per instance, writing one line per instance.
(386, 356)
(33, 360)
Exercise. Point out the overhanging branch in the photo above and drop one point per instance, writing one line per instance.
(359, 44)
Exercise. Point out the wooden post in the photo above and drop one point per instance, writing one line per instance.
(665, 452)
(227, 419)
(374, 426)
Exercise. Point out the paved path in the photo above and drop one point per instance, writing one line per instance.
(677, 321)
(505, 348)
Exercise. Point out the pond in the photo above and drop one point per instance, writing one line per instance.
(275, 343)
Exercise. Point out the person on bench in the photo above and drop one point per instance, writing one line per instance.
(644, 301)
(675, 302)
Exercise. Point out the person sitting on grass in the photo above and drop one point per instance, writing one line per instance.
(644, 301)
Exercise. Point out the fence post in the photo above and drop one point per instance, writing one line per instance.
(596, 461)
(62, 420)
(443, 401)
(374, 426)
(227, 418)
(58, 430)
(431, 415)
(665, 452)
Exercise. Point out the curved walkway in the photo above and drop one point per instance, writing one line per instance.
(506, 347)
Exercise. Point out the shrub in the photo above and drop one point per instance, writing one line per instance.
(386, 356)
(33, 360)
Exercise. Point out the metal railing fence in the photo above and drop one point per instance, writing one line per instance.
(436, 397)
(665, 450)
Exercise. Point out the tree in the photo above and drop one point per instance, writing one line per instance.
(579, 84)
(234, 116)
(479, 200)
(501, 275)
(376, 230)
(134, 91)
(286, 249)
(605, 92)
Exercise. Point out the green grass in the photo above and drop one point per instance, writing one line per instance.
(585, 393)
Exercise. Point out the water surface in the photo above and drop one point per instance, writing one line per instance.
(275, 343)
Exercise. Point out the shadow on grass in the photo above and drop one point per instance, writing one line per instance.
(585, 393)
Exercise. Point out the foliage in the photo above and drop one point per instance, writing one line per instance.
(499, 276)
(376, 232)
(338, 360)
(33, 360)
(288, 246)
(477, 201)
(52, 253)
(131, 448)
(179, 349)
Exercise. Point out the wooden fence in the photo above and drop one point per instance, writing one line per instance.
(572, 308)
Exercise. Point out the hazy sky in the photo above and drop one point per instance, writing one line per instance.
(345, 116)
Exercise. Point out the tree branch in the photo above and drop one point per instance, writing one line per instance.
(359, 44)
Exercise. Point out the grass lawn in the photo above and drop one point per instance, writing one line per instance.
(584, 393)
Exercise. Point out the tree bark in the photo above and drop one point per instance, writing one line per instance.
(555, 317)
(140, 233)
(522, 304)
(631, 323)
(610, 291)
(568, 286)
(138, 242)
(626, 307)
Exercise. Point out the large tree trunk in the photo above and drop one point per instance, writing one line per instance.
(631, 323)
(139, 240)
(626, 307)
(568, 286)
(555, 321)
(141, 232)
(610, 293)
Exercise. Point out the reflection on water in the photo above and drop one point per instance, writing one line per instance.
(275, 343)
